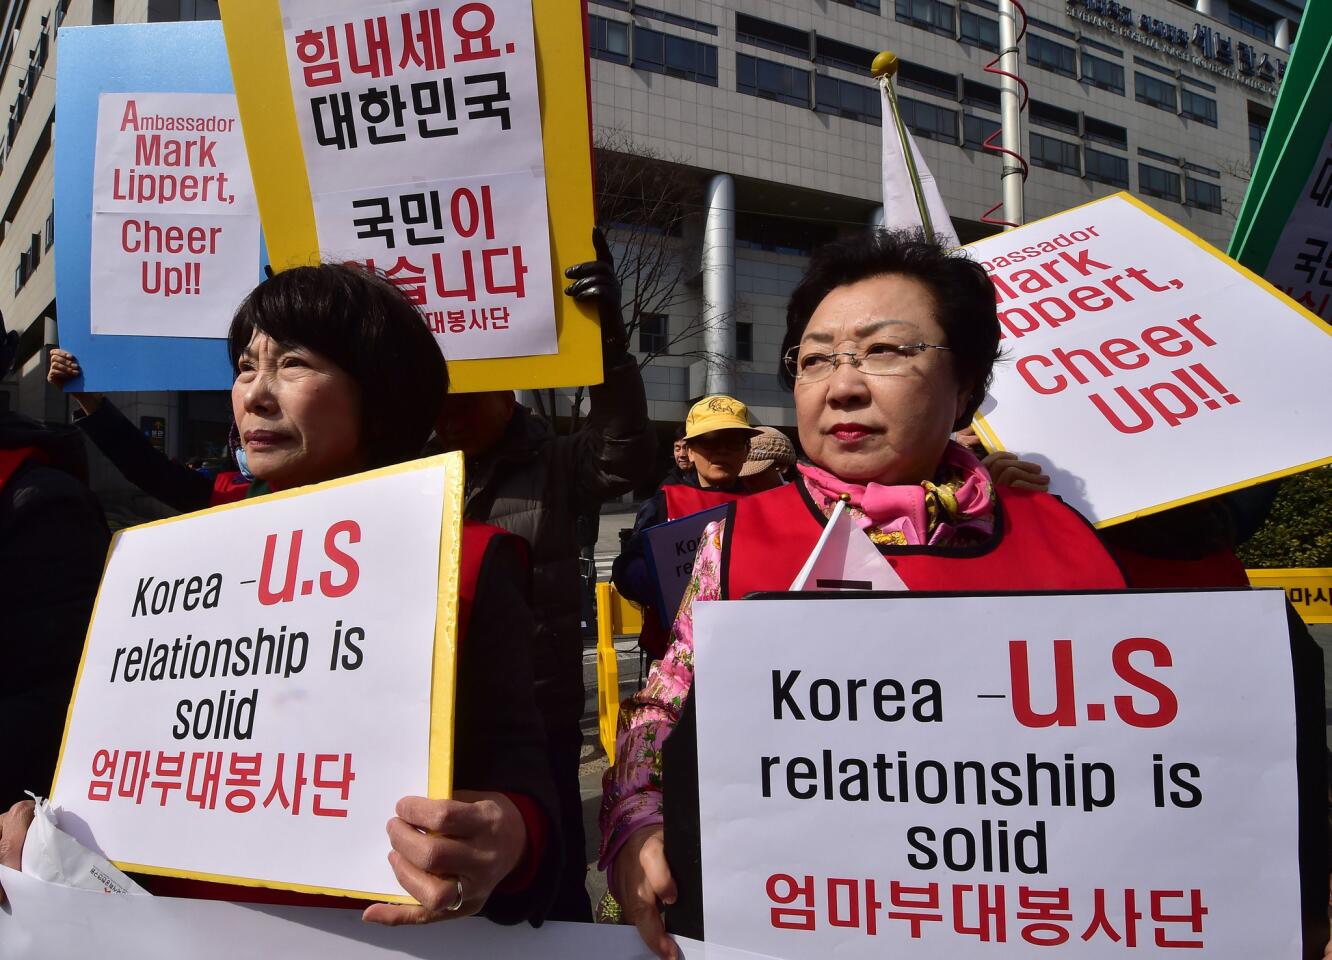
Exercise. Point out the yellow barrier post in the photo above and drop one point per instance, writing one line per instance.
(1308, 589)
(608, 671)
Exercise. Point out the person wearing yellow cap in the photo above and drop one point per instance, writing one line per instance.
(717, 436)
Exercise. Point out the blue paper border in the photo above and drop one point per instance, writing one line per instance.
(125, 58)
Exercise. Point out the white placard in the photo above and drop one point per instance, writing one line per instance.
(421, 129)
(1144, 368)
(1166, 722)
(671, 547)
(175, 233)
(255, 695)
(50, 922)
(1301, 262)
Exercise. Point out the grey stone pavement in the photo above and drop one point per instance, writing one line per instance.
(594, 758)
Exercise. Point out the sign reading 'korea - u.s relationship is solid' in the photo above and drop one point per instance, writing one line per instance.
(1144, 369)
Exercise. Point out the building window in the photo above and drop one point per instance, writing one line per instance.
(772, 81)
(771, 36)
(675, 56)
(609, 39)
(846, 99)
(1102, 73)
(1050, 55)
(1106, 167)
(870, 6)
(1156, 182)
(980, 95)
(975, 130)
(50, 227)
(1253, 21)
(653, 333)
(835, 53)
(937, 82)
(1151, 90)
(21, 272)
(744, 342)
(927, 120)
(1197, 107)
(1102, 132)
(652, 13)
(1056, 118)
(1055, 154)
(978, 31)
(1202, 194)
(34, 253)
(929, 15)
(1259, 117)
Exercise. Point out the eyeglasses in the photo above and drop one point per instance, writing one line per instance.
(878, 360)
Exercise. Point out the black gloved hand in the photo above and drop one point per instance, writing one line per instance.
(596, 280)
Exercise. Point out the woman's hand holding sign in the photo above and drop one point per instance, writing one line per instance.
(13, 828)
(450, 855)
(643, 882)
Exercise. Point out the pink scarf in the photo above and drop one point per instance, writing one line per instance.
(956, 507)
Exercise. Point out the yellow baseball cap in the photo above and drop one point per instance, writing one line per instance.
(717, 412)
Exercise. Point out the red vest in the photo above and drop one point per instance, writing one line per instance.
(682, 499)
(476, 539)
(12, 459)
(1220, 568)
(229, 487)
(1041, 544)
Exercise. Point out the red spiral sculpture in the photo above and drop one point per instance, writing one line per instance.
(989, 142)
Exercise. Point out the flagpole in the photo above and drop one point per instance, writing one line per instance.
(883, 69)
(1010, 104)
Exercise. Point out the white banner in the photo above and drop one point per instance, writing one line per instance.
(421, 129)
(255, 695)
(1301, 262)
(1144, 368)
(175, 233)
(48, 922)
(979, 777)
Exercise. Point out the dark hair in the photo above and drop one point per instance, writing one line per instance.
(962, 291)
(364, 324)
(679, 433)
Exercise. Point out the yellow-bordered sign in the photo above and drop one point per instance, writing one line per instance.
(257, 50)
(443, 661)
(1309, 589)
(992, 441)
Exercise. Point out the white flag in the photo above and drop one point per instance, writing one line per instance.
(845, 559)
(899, 199)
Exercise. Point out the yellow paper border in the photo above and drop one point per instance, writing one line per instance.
(990, 438)
(257, 51)
(443, 680)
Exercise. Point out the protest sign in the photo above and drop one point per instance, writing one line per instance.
(1282, 230)
(670, 554)
(1141, 362)
(210, 733)
(845, 559)
(175, 236)
(48, 922)
(981, 776)
(421, 133)
(153, 258)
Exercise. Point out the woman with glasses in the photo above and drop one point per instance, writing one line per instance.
(716, 440)
(889, 347)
